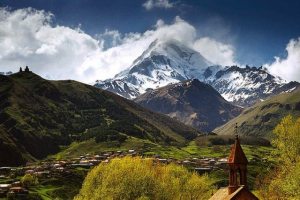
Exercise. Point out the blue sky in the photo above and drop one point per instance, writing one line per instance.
(258, 30)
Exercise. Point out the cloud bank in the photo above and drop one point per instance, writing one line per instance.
(150, 4)
(288, 67)
(216, 52)
(30, 37)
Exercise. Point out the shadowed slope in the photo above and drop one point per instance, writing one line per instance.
(38, 115)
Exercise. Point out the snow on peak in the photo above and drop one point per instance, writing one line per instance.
(168, 62)
(164, 62)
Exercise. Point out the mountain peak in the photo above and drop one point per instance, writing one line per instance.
(162, 63)
(192, 102)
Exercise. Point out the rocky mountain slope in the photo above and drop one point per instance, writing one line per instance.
(260, 119)
(167, 62)
(37, 115)
(191, 102)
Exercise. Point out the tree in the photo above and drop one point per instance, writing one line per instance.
(136, 178)
(284, 181)
(287, 140)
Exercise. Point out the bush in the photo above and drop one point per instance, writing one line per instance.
(136, 178)
(29, 180)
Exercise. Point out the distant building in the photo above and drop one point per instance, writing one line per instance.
(27, 69)
(238, 186)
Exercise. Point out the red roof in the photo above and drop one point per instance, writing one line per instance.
(237, 155)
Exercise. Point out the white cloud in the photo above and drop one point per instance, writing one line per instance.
(131, 46)
(29, 37)
(214, 51)
(288, 67)
(150, 4)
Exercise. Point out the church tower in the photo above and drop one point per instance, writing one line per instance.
(238, 187)
(237, 162)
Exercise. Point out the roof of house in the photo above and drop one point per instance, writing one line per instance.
(220, 194)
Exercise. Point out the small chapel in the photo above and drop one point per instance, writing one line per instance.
(238, 187)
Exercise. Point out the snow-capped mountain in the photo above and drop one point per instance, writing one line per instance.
(246, 86)
(161, 64)
(167, 62)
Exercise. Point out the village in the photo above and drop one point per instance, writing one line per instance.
(11, 183)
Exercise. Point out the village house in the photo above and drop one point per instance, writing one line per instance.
(238, 186)
(18, 191)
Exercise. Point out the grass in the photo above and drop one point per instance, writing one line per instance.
(60, 186)
(146, 147)
(45, 191)
(151, 149)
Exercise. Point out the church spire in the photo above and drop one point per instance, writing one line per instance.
(237, 162)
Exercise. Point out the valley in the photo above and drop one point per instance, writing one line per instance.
(61, 175)
(76, 126)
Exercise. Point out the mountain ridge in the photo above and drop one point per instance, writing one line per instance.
(246, 86)
(170, 62)
(38, 115)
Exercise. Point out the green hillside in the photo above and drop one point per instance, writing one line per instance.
(38, 115)
(260, 119)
